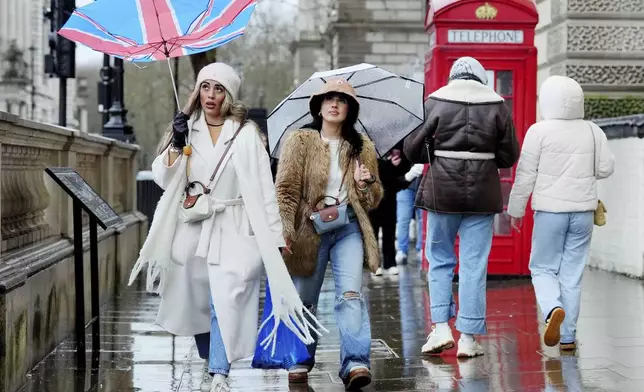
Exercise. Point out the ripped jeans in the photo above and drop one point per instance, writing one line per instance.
(344, 248)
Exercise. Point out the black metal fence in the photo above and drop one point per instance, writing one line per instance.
(148, 194)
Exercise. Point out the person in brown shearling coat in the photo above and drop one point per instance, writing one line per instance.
(329, 159)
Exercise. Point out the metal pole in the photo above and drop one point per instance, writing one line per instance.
(117, 126)
(105, 97)
(79, 281)
(94, 267)
(62, 103)
(32, 49)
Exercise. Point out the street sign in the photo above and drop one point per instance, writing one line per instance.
(100, 213)
(78, 189)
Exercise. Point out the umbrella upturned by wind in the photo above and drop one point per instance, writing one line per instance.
(150, 30)
(391, 106)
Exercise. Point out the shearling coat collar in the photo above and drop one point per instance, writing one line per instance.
(302, 177)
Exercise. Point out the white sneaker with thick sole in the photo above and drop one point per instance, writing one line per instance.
(469, 349)
(219, 384)
(393, 271)
(206, 380)
(378, 272)
(401, 257)
(438, 342)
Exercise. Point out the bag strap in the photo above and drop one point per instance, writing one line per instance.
(337, 199)
(229, 144)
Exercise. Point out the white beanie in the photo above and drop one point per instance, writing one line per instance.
(468, 66)
(223, 74)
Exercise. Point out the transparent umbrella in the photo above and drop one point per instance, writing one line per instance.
(391, 106)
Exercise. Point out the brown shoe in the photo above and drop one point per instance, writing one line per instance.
(568, 346)
(298, 377)
(358, 377)
(552, 335)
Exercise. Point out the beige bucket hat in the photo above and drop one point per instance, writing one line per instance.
(334, 85)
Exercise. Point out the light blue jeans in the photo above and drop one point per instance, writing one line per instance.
(213, 344)
(475, 233)
(405, 211)
(560, 247)
(343, 247)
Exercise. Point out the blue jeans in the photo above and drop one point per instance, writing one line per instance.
(560, 247)
(211, 346)
(343, 247)
(475, 233)
(405, 212)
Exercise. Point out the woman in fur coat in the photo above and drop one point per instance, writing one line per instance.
(329, 159)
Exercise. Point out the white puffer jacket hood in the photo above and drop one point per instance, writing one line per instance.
(561, 98)
(562, 156)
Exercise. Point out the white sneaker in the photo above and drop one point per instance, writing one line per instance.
(469, 349)
(393, 271)
(438, 342)
(401, 257)
(219, 384)
(378, 272)
(206, 380)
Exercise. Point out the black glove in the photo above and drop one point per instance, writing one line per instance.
(180, 130)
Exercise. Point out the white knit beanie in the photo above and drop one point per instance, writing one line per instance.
(223, 74)
(468, 66)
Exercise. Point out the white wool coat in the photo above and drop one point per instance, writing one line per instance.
(232, 270)
(562, 156)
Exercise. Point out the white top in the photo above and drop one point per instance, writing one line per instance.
(335, 173)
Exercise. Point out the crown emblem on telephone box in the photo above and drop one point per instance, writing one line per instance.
(486, 11)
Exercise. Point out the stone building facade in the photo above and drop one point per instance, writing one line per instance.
(23, 32)
(386, 33)
(600, 43)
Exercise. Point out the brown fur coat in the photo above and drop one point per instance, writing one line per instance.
(302, 178)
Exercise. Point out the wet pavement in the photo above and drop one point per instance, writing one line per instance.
(136, 355)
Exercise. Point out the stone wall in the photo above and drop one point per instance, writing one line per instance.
(37, 298)
(600, 43)
(618, 246)
(386, 33)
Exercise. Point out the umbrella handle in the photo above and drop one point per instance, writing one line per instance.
(174, 86)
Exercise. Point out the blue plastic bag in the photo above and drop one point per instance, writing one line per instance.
(289, 349)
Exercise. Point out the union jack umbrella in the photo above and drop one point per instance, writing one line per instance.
(149, 30)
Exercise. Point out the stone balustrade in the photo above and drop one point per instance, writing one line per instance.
(36, 259)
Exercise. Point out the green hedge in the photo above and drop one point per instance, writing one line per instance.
(606, 107)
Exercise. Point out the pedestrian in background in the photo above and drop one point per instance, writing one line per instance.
(468, 135)
(562, 158)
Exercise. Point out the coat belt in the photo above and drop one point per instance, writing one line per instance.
(465, 155)
(208, 225)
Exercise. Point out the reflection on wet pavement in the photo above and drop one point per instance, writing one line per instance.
(136, 355)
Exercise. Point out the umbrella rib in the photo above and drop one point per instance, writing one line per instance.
(367, 132)
(285, 128)
(377, 81)
(390, 102)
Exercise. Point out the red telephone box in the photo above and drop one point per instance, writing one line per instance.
(500, 34)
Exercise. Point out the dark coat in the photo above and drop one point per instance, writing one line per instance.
(464, 116)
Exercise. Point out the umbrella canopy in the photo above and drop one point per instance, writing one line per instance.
(149, 30)
(391, 106)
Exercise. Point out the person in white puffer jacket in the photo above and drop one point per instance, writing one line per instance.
(561, 160)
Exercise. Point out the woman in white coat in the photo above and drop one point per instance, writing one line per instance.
(562, 158)
(210, 268)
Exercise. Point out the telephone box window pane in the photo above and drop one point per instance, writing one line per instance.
(502, 224)
(490, 79)
(509, 103)
(506, 188)
(505, 173)
(504, 82)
